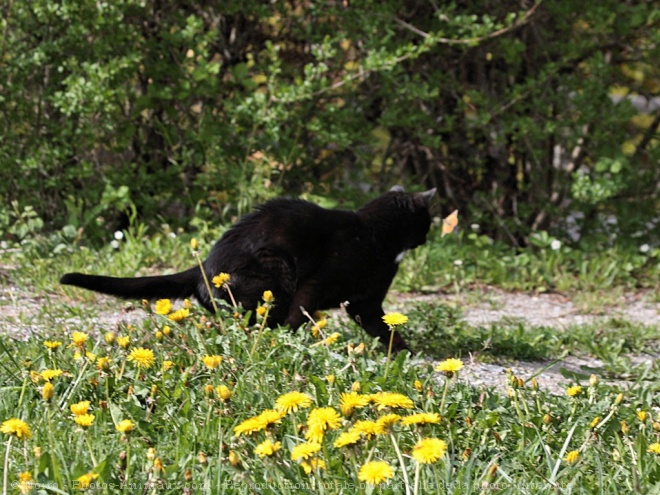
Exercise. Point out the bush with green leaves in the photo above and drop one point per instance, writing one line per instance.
(521, 115)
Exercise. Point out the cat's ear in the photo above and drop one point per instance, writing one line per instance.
(397, 188)
(427, 196)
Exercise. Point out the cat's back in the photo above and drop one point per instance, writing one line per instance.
(293, 224)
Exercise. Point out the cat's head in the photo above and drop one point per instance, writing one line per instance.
(404, 215)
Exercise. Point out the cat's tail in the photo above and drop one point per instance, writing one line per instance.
(176, 286)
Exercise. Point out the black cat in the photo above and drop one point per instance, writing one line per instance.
(308, 256)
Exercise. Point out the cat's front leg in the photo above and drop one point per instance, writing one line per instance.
(370, 317)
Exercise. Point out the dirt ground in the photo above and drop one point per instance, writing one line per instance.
(23, 314)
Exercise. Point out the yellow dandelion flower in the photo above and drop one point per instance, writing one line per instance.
(305, 450)
(109, 338)
(48, 375)
(320, 420)
(394, 319)
(450, 365)
(125, 425)
(267, 448)
(421, 419)
(123, 342)
(223, 392)
(315, 463)
(332, 338)
(79, 338)
(83, 482)
(261, 310)
(15, 426)
(572, 456)
(163, 307)
(368, 428)
(375, 472)
(48, 391)
(594, 422)
(291, 401)
(388, 419)
(52, 344)
(25, 482)
(167, 364)
(80, 408)
(221, 279)
(258, 423)
(429, 450)
(103, 363)
(84, 420)
(348, 401)
(573, 391)
(349, 437)
(212, 362)
(208, 389)
(641, 415)
(654, 448)
(179, 314)
(391, 399)
(268, 296)
(142, 357)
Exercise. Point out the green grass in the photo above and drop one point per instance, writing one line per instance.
(520, 440)
(511, 442)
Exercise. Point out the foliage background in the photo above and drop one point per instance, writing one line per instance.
(526, 116)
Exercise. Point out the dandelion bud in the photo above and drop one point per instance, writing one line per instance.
(616, 455)
(187, 475)
(268, 296)
(624, 427)
(547, 419)
(187, 304)
(535, 384)
(166, 330)
(48, 391)
(330, 379)
(109, 338)
(594, 422)
(492, 472)
(593, 380)
(154, 390)
(208, 389)
(37, 451)
(356, 387)
(224, 392)
(151, 453)
(418, 385)
(467, 453)
(520, 383)
(619, 399)
(656, 426)
(158, 464)
(641, 415)
(194, 244)
(234, 459)
(159, 335)
(202, 458)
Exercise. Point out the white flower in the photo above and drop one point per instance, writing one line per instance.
(114, 244)
(172, 235)
(474, 226)
(119, 235)
(644, 248)
(458, 263)
(555, 244)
